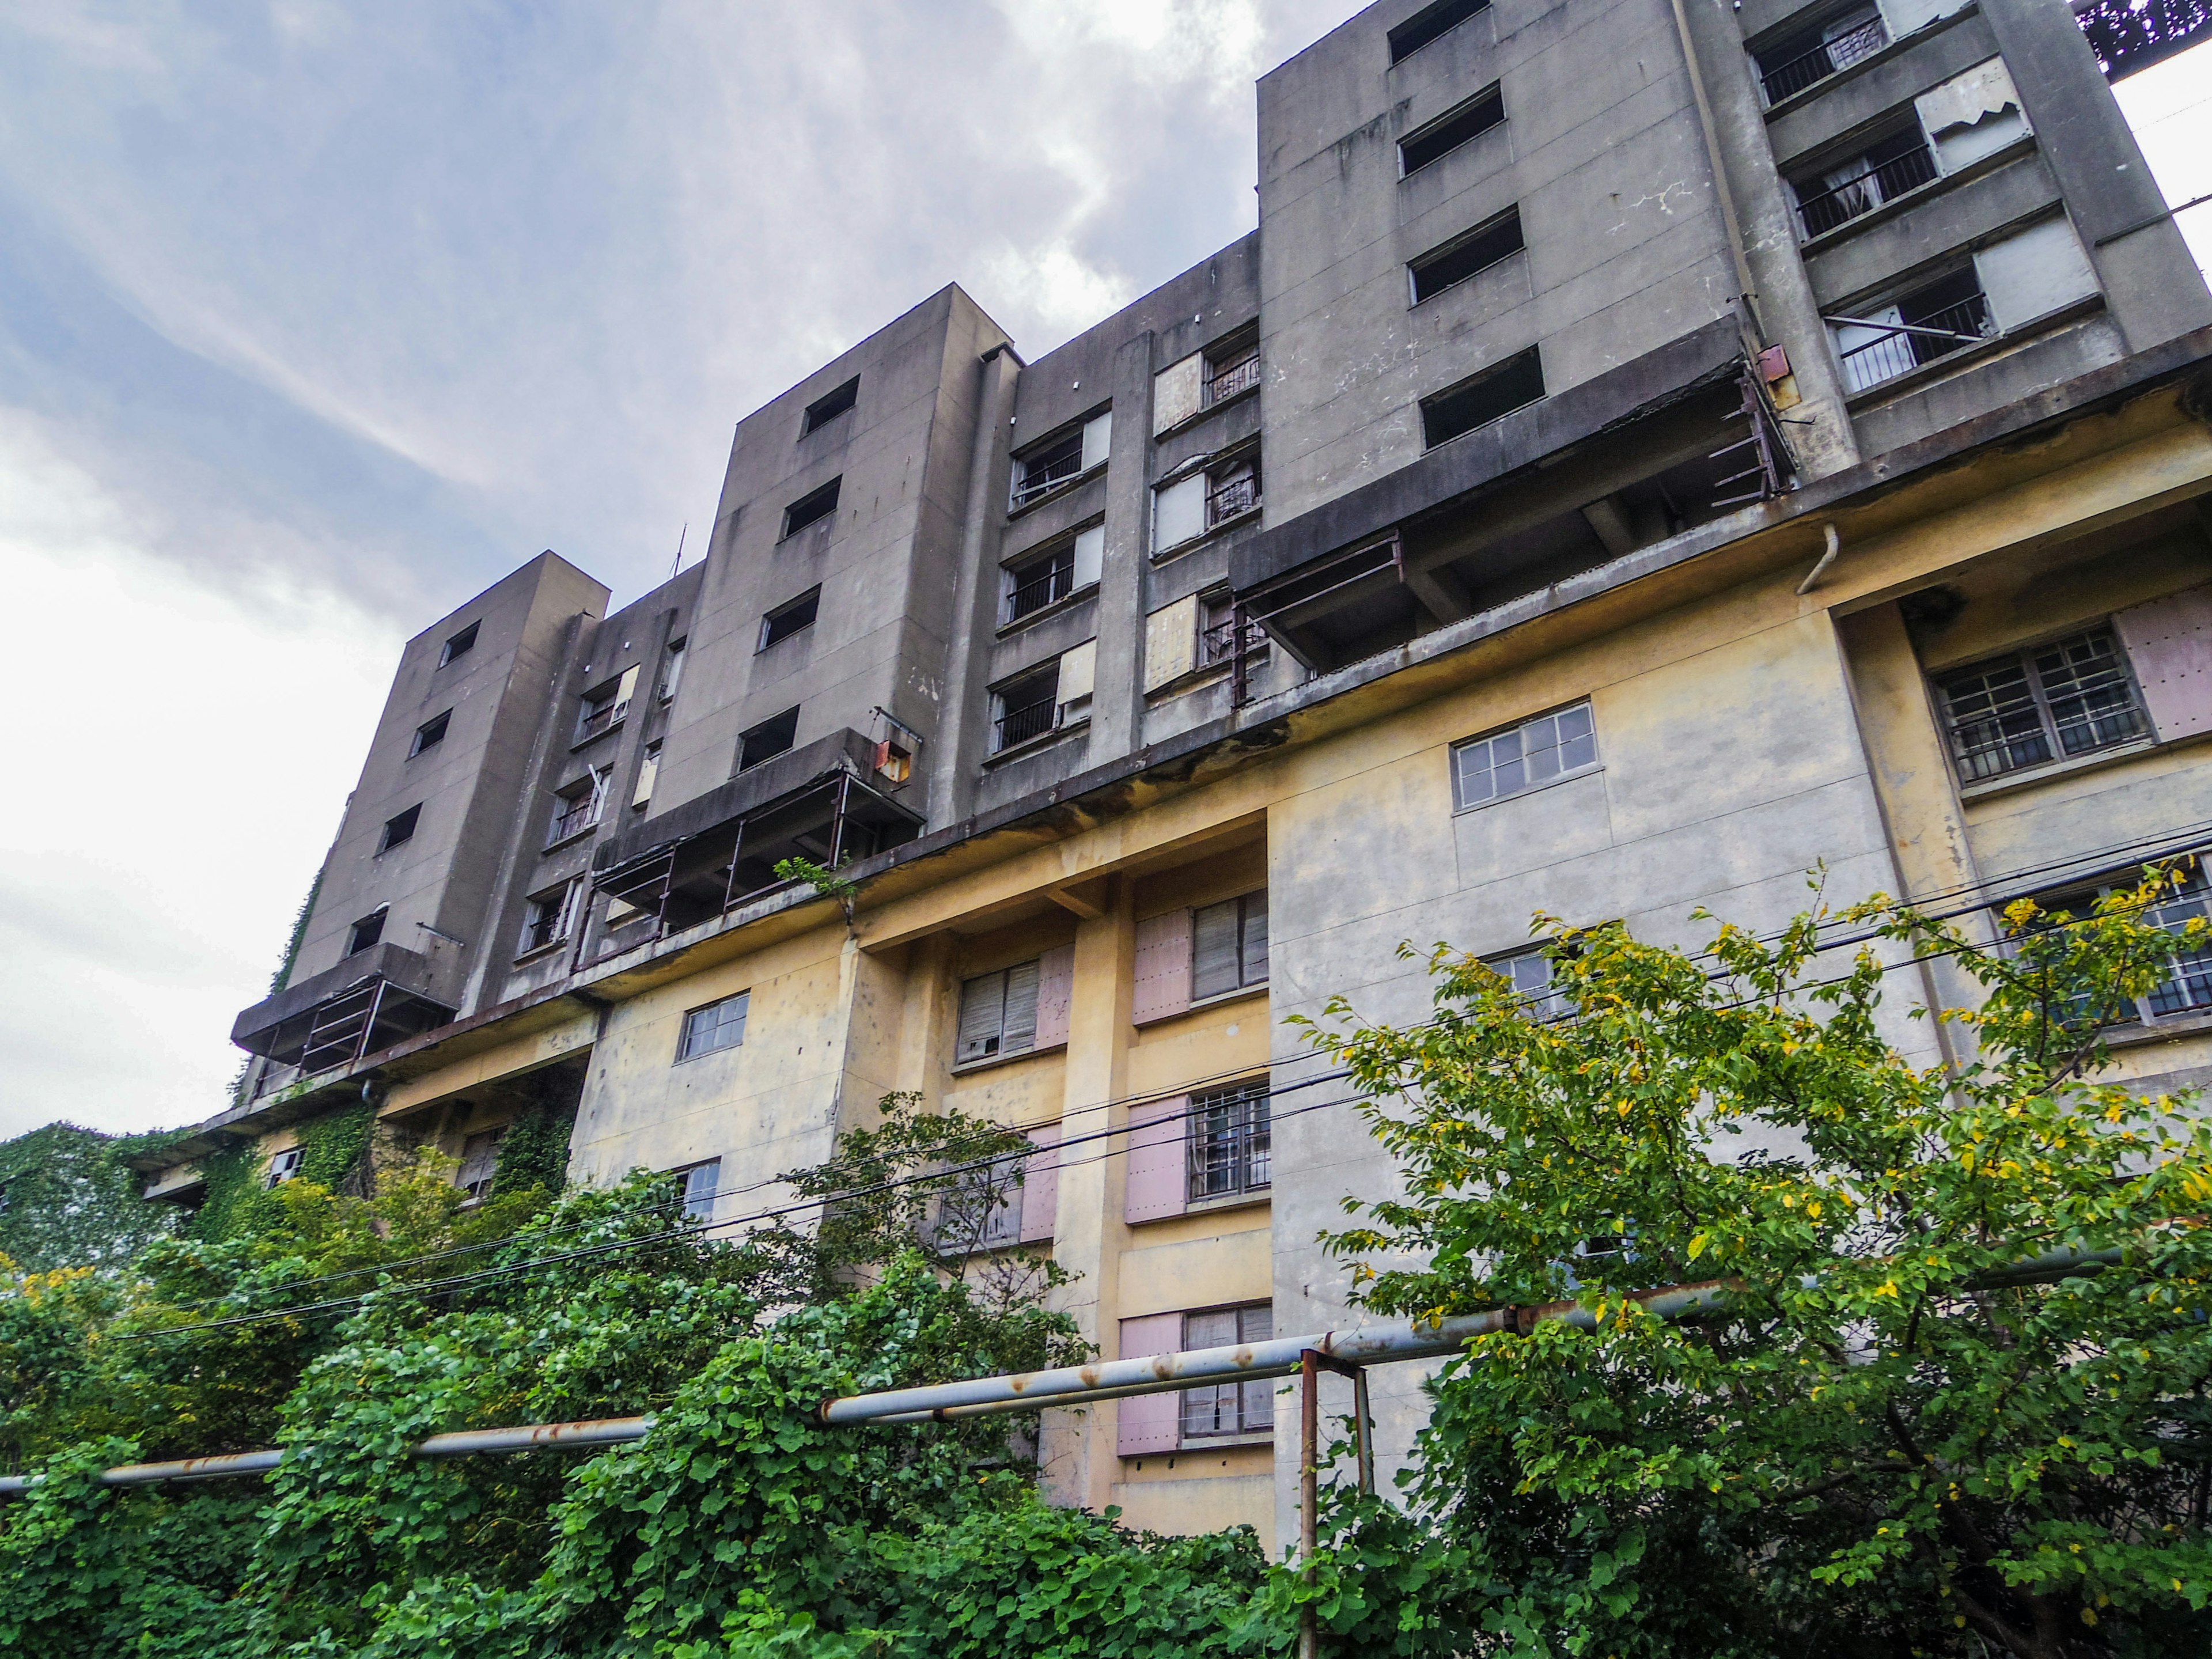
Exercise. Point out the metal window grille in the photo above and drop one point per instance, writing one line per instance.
(548, 920)
(579, 806)
(1042, 582)
(1907, 345)
(1231, 494)
(2072, 696)
(1028, 708)
(1230, 1140)
(1218, 641)
(2185, 986)
(1037, 475)
(1227, 1408)
(718, 1025)
(1232, 376)
(600, 713)
(1862, 192)
(1832, 56)
(1532, 753)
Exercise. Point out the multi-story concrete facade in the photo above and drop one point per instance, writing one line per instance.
(1646, 450)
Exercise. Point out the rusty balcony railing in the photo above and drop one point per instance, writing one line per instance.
(1830, 58)
(1227, 380)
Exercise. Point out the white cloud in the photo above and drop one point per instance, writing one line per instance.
(181, 754)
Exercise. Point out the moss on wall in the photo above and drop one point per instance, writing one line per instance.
(534, 1152)
(333, 1151)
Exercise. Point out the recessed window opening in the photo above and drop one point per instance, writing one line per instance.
(1061, 459)
(672, 669)
(2184, 985)
(792, 616)
(605, 707)
(367, 931)
(1232, 489)
(1810, 56)
(1529, 973)
(1465, 256)
(1491, 395)
(549, 916)
(829, 406)
(697, 1185)
(399, 829)
(648, 774)
(430, 733)
(1883, 171)
(810, 508)
(459, 645)
(1456, 126)
(1027, 708)
(1524, 757)
(1231, 369)
(2072, 696)
(577, 804)
(1218, 641)
(1932, 322)
(764, 741)
(1228, 946)
(1429, 24)
(1035, 583)
(997, 1014)
(1225, 1408)
(716, 1026)
(1230, 1140)
(285, 1166)
(479, 1162)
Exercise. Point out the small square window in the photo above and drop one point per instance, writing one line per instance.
(285, 1166)
(366, 932)
(810, 508)
(1227, 1408)
(792, 616)
(430, 733)
(399, 829)
(767, 740)
(717, 1026)
(459, 645)
(1228, 946)
(698, 1186)
(1532, 753)
(829, 406)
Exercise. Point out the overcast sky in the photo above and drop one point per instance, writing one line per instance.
(316, 318)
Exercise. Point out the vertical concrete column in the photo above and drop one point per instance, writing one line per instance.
(1077, 1443)
(1787, 310)
(957, 743)
(1117, 697)
(2151, 284)
(928, 984)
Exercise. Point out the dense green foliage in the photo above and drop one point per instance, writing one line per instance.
(67, 1198)
(239, 1201)
(1888, 1442)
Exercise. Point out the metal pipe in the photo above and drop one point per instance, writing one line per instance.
(1834, 546)
(1359, 1418)
(1309, 1493)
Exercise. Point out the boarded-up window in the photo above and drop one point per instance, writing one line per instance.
(1228, 946)
(1163, 985)
(2169, 641)
(479, 1161)
(1224, 1408)
(1179, 512)
(1055, 995)
(1153, 1185)
(1170, 643)
(648, 772)
(1041, 1186)
(1178, 391)
(997, 1014)
(1148, 1423)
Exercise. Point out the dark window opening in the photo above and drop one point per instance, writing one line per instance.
(1232, 369)
(430, 733)
(1449, 131)
(829, 406)
(1430, 23)
(1035, 583)
(1229, 1141)
(1461, 257)
(1934, 320)
(1048, 468)
(1811, 56)
(1232, 489)
(1218, 641)
(366, 932)
(767, 740)
(576, 805)
(1883, 171)
(399, 829)
(790, 617)
(1497, 391)
(812, 508)
(2070, 697)
(548, 918)
(459, 645)
(604, 707)
(1028, 707)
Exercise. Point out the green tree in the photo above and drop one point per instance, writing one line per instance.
(67, 1199)
(1890, 1439)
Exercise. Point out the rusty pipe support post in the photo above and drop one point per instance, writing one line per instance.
(1360, 1423)
(1309, 1493)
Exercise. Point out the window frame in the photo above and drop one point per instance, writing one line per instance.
(1053, 563)
(815, 506)
(815, 416)
(553, 910)
(999, 1051)
(407, 823)
(283, 1166)
(697, 1205)
(1247, 1134)
(671, 667)
(2049, 733)
(1253, 1400)
(2195, 892)
(587, 795)
(1491, 96)
(1225, 358)
(430, 733)
(1546, 1003)
(1513, 363)
(460, 643)
(691, 1027)
(759, 728)
(1473, 236)
(1002, 710)
(810, 602)
(1460, 802)
(1246, 913)
(354, 943)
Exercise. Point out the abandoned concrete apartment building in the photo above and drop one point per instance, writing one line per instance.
(1645, 451)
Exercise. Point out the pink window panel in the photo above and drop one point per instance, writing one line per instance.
(1162, 966)
(1156, 1184)
(2169, 641)
(1055, 995)
(1041, 1186)
(1149, 1422)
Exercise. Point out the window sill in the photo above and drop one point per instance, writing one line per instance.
(1183, 684)
(2028, 776)
(1042, 741)
(569, 839)
(1205, 1443)
(1027, 618)
(2136, 1035)
(1054, 494)
(539, 952)
(1872, 61)
(1190, 421)
(708, 1053)
(1883, 212)
(591, 738)
(1241, 993)
(1161, 555)
(1531, 789)
(1252, 1198)
(966, 1066)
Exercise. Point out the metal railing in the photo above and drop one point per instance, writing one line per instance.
(1228, 500)
(1865, 191)
(1048, 586)
(1829, 57)
(599, 717)
(541, 930)
(1230, 379)
(580, 816)
(1219, 644)
(1047, 473)
(1017, 725)
(1908, 346)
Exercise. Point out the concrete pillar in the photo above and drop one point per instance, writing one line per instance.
(1117, 699)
